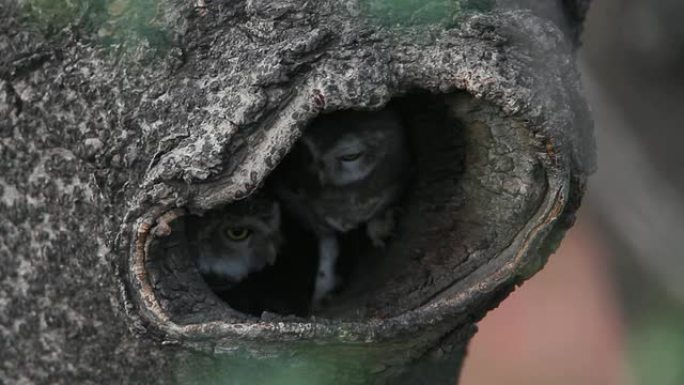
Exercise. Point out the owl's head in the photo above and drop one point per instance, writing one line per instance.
(239, 240)
(348, 147)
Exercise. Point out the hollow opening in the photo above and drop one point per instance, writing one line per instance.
(472, 179)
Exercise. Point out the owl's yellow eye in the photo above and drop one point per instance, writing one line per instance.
(351, 157)
(238, 233)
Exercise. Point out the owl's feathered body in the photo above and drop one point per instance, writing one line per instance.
(242, 238)
(348, 170)
(340, 209)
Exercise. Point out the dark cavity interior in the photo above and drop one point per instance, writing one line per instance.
(475, 181)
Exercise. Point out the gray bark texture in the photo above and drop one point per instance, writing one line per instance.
(116, 123)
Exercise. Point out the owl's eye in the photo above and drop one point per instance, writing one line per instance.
(238, 233)
(351, 157)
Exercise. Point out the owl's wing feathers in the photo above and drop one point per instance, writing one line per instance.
(302, 207)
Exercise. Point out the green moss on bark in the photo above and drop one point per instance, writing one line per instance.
(412, 12)
(106, 22)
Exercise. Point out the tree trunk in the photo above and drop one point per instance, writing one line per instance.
(121, 121)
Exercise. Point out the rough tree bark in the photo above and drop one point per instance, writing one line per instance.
(116, 123)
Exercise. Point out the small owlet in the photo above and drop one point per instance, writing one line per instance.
(242, 238)
(349, 169)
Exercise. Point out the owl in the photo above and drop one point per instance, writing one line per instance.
(242, 238)
(349, 169)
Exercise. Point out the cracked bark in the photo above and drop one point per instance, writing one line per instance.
(99, 141)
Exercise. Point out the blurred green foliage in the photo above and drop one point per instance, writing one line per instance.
(655, 321)
(657, 347)
(415, 12)
(104, 21)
